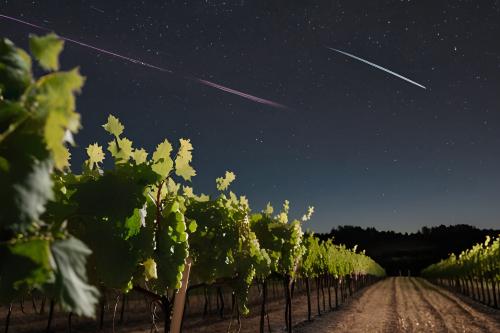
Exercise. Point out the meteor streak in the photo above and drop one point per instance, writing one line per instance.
(377, 66)
(145, 64)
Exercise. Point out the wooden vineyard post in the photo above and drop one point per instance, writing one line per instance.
(180, 300)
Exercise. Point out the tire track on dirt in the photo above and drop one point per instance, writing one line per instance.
(393, 305)
(439, 323)
(393, 321)
(370, 311)
(418, 313)
(401, 304)
(401, 307)
(462, 316)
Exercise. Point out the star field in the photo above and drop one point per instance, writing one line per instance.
(364, 147)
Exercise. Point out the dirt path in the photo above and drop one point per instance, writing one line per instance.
(392, 305)
(407, 305)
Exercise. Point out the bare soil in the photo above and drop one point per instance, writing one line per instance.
(392, 305)
(401, 304)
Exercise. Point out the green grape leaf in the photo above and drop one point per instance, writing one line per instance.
(72, 290)
(184, 157)
(121, 149)
(55, 93)
(54, 102)
(15, 70)
(26, 185)
(224, 182)
(115, 194)
(283, 215)
(113, 126)
(134, 223)
(307, 216)
(187, 191)
(113, 260)
(143, 243)
(150, 271)
(172, 186)
(24, 265)
(269, 209)
(95, 154)
(36, 190)
(140, 156)
(55, 131)
(162, 163)
(46, 50)
(4, 165)
(12, 115)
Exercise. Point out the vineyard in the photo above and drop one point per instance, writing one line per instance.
(129, 230)
(475, 272)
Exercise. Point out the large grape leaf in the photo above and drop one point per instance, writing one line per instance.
(184, 156)
(12, 114)
(162, 162)
(55, 105)
(95, 153)
(15, 70)
(116, 194)
(55, 131)
(113, 126)
(121, 149)
(134, 223)
(71, 288)
(113, 260)
(24, 265)
(46, 50)
(140, 155)
(26, 184)
(55, 92)
(150, 271)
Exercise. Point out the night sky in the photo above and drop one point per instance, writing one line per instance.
(362, 146)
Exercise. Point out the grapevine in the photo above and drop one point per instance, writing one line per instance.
(130, 219)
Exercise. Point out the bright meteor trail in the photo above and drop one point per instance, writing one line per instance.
(139, 62)
(377, 66)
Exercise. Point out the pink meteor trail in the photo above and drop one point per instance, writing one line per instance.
(139, 62)
(240, 93)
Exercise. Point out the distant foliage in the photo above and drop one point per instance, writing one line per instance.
(482, 261)
(400, 253)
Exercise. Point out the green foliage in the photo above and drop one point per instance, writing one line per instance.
(36, 119)
(134, 224)
(55, 267)
(184, 157)
(96, 155)
(131, 206)
(224, 182)
(24, 265)
(223, 247)
(46, 50)
(114, 126)
(482, 261)
(281, 240)
(328, 258)
(15, 71)
(70, 289)
(162, 162)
